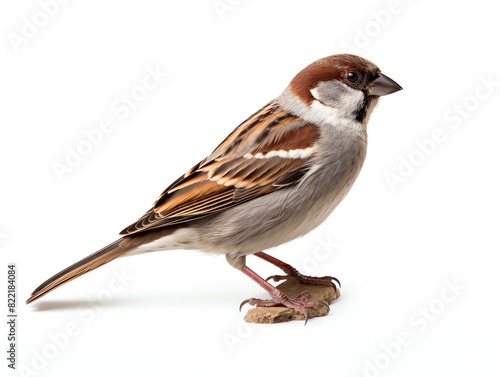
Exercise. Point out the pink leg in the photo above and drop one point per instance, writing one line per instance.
(300, 303)
(294, 274)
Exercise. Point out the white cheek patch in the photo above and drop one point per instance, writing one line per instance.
(292, 154)
(350, 101)
(324, 112)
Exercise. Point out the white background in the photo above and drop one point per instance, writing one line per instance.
(396, 249)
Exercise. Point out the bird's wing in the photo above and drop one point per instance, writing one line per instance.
(268, 151)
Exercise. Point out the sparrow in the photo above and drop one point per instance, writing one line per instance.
(276, 177)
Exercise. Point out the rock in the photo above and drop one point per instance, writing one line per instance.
(276, 314)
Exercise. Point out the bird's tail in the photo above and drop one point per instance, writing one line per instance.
(114, 250)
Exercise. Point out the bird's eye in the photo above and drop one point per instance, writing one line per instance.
(354, 78)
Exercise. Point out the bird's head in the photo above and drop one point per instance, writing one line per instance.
(341, 87)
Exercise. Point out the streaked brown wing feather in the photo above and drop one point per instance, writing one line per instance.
(232, 174)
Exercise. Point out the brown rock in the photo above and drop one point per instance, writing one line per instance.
(276, 314)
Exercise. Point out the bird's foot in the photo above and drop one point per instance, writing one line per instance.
(304, 279)
(292, 273)
(300, 303)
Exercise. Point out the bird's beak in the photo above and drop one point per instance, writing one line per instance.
(382, 86)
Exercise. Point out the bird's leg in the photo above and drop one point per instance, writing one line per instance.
(296, 275)
(300, 304)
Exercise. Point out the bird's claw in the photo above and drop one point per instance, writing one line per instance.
(300, 303)
(243, 303)
(304, 279)
(276, 278)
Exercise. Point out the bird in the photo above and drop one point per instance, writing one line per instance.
(274, 178)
